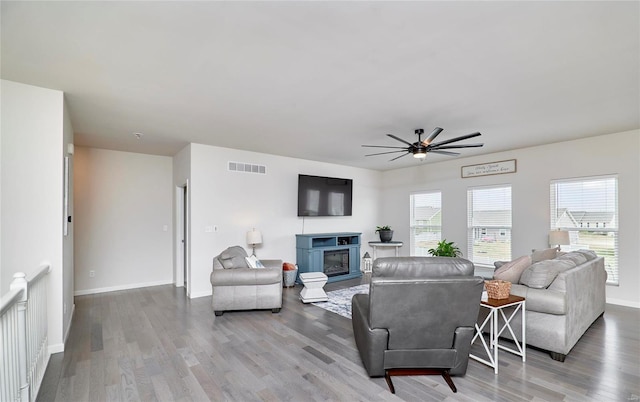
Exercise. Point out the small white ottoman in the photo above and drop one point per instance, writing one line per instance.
(313, 287)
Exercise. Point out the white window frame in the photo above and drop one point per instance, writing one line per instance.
(414, 227)
(611, 261)
(501, 233)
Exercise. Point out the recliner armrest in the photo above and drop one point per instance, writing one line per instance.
(371, 342)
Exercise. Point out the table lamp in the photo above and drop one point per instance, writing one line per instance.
(254, 237)
(559, 237)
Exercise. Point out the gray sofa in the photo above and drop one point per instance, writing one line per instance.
(418, 317)
(236, 286)
(560, 313)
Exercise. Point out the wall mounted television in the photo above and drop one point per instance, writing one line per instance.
(324, 196)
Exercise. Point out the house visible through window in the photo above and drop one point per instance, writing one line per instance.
(426, 222)
(588, 209)
(489, 224)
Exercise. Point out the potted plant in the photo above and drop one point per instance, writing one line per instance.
(385, 232)
(445, 249)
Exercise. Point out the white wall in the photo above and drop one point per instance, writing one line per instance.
(123, 204)
(181, 177)
(536, 167)
(33, 133)
(236, 202)
(67, 241)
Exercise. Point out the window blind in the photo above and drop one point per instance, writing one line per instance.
(489, 224)
(426, 222)
(588, 209)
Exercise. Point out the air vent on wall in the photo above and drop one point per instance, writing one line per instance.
(247, 167)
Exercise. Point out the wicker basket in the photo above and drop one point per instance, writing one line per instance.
(289, 278)
(497, 289)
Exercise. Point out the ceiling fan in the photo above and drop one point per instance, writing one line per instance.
(420, 148)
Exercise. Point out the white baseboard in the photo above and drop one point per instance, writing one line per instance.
(68, 328)
(195, 295)
(625, 303)
(57, 348)
(121, 287)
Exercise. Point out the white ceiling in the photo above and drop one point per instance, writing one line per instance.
(316, 80)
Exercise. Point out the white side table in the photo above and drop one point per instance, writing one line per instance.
(376, 244)
(496, 310)
(313, 287)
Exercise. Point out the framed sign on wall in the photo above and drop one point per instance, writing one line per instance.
(491, 168)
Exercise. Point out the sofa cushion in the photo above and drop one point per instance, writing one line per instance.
(588, 254)
(542, 300)
(233, 257)
(574, 256)
(512, 270)
(542, 273)
(544, 254)
(217, 264)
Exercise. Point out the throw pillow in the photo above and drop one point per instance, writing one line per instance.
(542, 273)
(254, 262)
(544, 254)
(511, 271)
(574, 256)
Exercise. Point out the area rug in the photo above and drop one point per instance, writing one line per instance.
(340, 300)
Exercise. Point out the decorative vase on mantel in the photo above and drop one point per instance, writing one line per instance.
(385, 232)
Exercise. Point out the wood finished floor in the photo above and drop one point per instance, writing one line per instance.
(153, 344)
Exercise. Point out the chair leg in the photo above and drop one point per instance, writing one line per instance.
(406, 371)
(447, 378)
(387, 377)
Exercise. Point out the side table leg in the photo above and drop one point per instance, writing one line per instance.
(494, 339)
(524, 333)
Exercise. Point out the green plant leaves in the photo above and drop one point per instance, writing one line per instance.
(445, 249)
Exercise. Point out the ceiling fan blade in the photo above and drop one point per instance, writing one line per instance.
(400, 139)
(457, 146)
(462, 137)
(445, 153)
(398, 157)
(388, 152)
(432, 136)
(382, 146)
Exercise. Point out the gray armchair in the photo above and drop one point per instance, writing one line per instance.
(418, 317)
(235, 286)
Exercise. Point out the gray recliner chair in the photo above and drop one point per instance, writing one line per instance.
(418, 317)
(236, 286)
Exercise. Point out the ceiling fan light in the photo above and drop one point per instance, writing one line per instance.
(420, 153)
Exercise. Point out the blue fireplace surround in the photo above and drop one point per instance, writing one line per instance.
(335, 254)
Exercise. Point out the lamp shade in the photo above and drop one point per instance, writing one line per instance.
(254, 237)
(559, 237)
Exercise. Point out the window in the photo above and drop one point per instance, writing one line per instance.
(426, 222)
(588, 209)
(489, 224)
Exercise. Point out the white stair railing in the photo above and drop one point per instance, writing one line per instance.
(24, 336)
